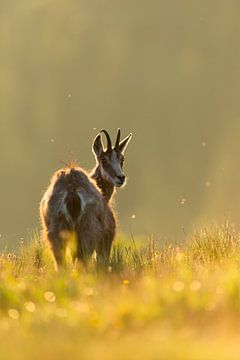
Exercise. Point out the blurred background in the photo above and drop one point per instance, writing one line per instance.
(167, 70)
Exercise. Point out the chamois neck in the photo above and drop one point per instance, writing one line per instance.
(107, 189)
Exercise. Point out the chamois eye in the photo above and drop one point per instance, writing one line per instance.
(103, 161)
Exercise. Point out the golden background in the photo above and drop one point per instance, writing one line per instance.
(169, 71)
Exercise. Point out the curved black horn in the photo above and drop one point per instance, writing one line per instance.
(109, 142)
(118, 139)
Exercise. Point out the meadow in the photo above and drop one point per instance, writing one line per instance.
(174, 301)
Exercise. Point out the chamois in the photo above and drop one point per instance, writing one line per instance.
(77, 205)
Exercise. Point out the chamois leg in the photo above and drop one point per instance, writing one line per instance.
(85, 248)
(103, 251)
(58, 246)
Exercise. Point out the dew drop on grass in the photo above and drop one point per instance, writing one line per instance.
(30, 306)
(178, 286)
(195, 285)
(13, 314)
(49, 296)
(88, 291)
(80, 307)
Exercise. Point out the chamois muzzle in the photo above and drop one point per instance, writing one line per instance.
(120, 180)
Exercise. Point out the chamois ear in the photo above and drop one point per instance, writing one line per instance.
(124, 143)
(97, 146)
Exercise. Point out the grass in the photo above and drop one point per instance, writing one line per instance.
(153, 302)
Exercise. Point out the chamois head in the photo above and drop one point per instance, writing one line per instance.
(110, 160)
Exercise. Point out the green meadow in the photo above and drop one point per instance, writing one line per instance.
(152, 302)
